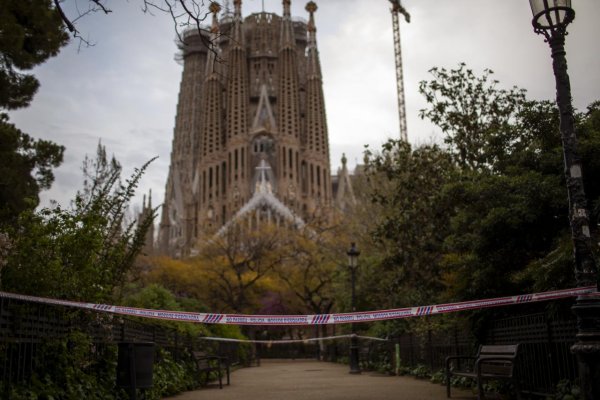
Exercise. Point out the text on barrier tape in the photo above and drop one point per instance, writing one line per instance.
(319, 319)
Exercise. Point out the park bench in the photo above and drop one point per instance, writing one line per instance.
(491, 363)
(208, 363)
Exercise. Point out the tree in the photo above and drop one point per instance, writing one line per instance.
(83, 252)
(501, 224)
(555, 269)
(188, 282)
(410, 220)
(32, 32)
(25, 169)
(185, 14)
(509, 202)
(238, 263)
(309, 268)
(474, 113)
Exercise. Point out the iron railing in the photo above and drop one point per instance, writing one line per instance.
(25, 328)
(545, 358)
(544, 354)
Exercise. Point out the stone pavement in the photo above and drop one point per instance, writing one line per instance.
(311, 380)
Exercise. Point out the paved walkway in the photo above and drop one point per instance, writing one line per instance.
(310, 380)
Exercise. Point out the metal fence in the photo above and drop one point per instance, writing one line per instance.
(544, 354)
(431, 348)
(25, 328)
(545, 357)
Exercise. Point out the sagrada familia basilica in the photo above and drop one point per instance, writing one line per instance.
(250, 142)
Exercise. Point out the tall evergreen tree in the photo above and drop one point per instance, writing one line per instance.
(31, 31)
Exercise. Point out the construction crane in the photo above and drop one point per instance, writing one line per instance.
(396, 10)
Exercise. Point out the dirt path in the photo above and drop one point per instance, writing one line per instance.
(313, 380)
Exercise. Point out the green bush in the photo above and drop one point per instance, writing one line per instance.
(420, 372)
(439, 377)
(172, 376)
(76, 369)
(567, 390)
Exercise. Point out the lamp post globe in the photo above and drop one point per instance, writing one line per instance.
(353, 254)
(551, 18)
(551, 15)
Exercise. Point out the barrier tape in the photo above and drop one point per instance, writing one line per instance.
(288, 341)
(319, 319)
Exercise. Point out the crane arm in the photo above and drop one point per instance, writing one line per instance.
(397, 8)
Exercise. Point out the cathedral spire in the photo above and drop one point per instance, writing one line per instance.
(314, 67)
(287, 29)
(316, 123)
(345, 194)
(288, 98)
(286, 9)
(237, 84)
(212, 139)
(237, 34)
(214, 38)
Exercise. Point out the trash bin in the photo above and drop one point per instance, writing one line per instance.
(135, 364)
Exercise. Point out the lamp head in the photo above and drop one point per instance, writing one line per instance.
(551, 16)
(353, 254)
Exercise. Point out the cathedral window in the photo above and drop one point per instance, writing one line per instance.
(318, 176)
(210, 182)
(297, 168)
(229, 164)
(291, 163)
(304, 177)
(217, 180)
(204, 186)
(284, 162)
(243, 162)
(196, 220)
(224, 178)
(312, 179)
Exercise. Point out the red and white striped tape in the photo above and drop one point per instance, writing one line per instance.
(319, 319)
(290, 341)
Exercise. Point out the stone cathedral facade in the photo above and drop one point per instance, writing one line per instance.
(250, 139)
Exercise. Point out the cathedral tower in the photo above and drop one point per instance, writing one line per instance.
(250, 128)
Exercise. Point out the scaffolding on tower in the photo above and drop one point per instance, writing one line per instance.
(396, 10)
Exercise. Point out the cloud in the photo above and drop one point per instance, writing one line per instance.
(124, 89)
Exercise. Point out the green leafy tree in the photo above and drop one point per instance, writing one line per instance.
(474, 113)
(310, 265)
(83, 252)
(239, 264)
(25, 169)
(410, 220)
(32, 32)
(501, 224)
(510, 202)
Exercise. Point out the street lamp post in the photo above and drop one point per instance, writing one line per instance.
(550, 18)
(353, 254)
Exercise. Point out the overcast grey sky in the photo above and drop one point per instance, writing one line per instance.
(123, 90)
